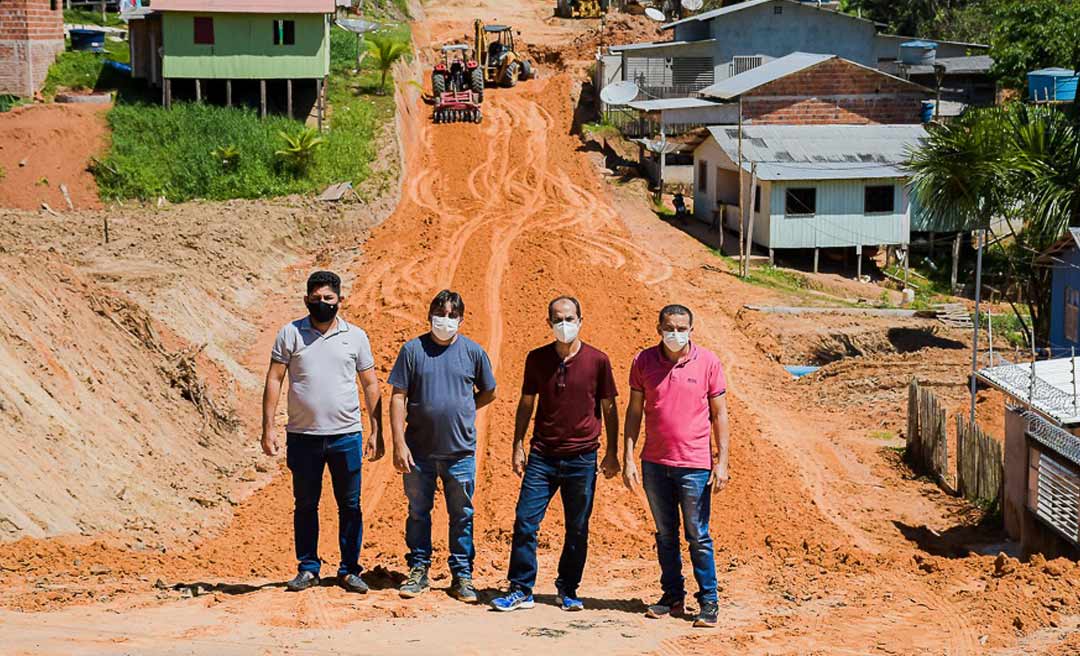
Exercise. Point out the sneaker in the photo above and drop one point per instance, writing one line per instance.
(706, 617)
(353, 583)
(514, 600)
(568, 602)
(302, 581)
(669, 604)
(416, 584)
(462, 589)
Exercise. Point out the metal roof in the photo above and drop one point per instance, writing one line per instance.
(1070, 240)
(737, 85)
(821, 152)
(709, 15)
(1052, 393)
(650, 45)
(956, 65)
(248, 6)
(671, 103)
(1054, 72)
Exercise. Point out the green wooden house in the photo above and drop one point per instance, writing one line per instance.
(210, 44)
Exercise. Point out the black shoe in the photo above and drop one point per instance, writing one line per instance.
(669, 604)
(462, 589)
(416, 584)
(353, 583)
(302, 581)
(706, 617)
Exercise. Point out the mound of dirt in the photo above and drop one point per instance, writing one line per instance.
(45, 146)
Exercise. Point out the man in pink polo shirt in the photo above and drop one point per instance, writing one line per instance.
(680, 388)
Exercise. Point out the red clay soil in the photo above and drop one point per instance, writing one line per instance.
(824, 542)
(44, 146)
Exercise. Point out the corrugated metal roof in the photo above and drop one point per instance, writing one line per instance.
(737, 85)
(709, 15)
(248, 6)
(650, 45)
(821, 152)
(1054, 72)
(1052, 393)
(956, 65)
(671, 103)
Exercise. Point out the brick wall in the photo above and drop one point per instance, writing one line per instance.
(31, 35)
(835, 92)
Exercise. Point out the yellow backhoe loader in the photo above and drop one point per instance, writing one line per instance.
(498, 58)
(580, 8)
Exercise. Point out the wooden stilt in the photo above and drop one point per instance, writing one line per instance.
(198, 91)
(772, 257)
(933, 238)
(816, 253)
(955, 261)
(168, 93)
(262, 98)
(319, 101)
(858, 262)
(228, 93)
(288, 98)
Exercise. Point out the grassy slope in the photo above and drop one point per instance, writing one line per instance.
(158, 152)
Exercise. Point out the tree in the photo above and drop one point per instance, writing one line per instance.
(1020, 163)
(1033, 34)
(386, 51)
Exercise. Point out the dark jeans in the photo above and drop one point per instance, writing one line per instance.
(575, 479)
(671, 489)
(459, 482)
(307, 455)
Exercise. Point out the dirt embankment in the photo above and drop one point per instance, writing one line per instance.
(45, 146)
(124, 362)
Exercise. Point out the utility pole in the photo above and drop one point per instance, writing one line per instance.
(744, 269)
(980, 238)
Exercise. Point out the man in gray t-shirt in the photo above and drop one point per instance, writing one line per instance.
(440, 380)
(323, 355)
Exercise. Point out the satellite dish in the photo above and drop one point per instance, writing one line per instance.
(619, 93)
(692, 5)
(655, 14)
(357, 25)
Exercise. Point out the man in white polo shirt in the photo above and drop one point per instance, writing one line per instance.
(323, 355)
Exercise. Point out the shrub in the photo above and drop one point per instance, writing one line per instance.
(299, 150)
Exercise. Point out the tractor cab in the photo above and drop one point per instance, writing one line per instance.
(456, 67)
(501, 39)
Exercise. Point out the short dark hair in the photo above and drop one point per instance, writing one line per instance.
(551, 305)
(442, 298)
(676, 309)
(324, 279)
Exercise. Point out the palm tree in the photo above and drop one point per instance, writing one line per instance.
(386, 50)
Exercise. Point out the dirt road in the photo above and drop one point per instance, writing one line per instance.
(824, 545)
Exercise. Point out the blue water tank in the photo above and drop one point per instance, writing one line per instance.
(918, 53)
(1052, 84)
(89, 40)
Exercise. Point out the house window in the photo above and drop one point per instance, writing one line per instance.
(879, 199)
(777, 10)
(1072, 314)
(800, 201)
(204, 30)
(703, 176)
(284, 32)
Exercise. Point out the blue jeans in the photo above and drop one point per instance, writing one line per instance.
(459, 482)
(575, 479)
(671, 489)
(307, 456)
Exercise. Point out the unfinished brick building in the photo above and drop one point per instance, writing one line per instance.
(31, 35)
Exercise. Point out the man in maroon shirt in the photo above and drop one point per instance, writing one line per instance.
(574, 385)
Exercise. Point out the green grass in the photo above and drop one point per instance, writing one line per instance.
(769, 276)
(91, 17)
(9, 102)
(157, 152)
(87, 70)
(600, 130)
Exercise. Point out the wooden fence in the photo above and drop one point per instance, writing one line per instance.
(927, 441)
(980, 468)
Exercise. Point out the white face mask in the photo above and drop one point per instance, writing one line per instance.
(444, 327)
(676, 341)
(566, 331)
